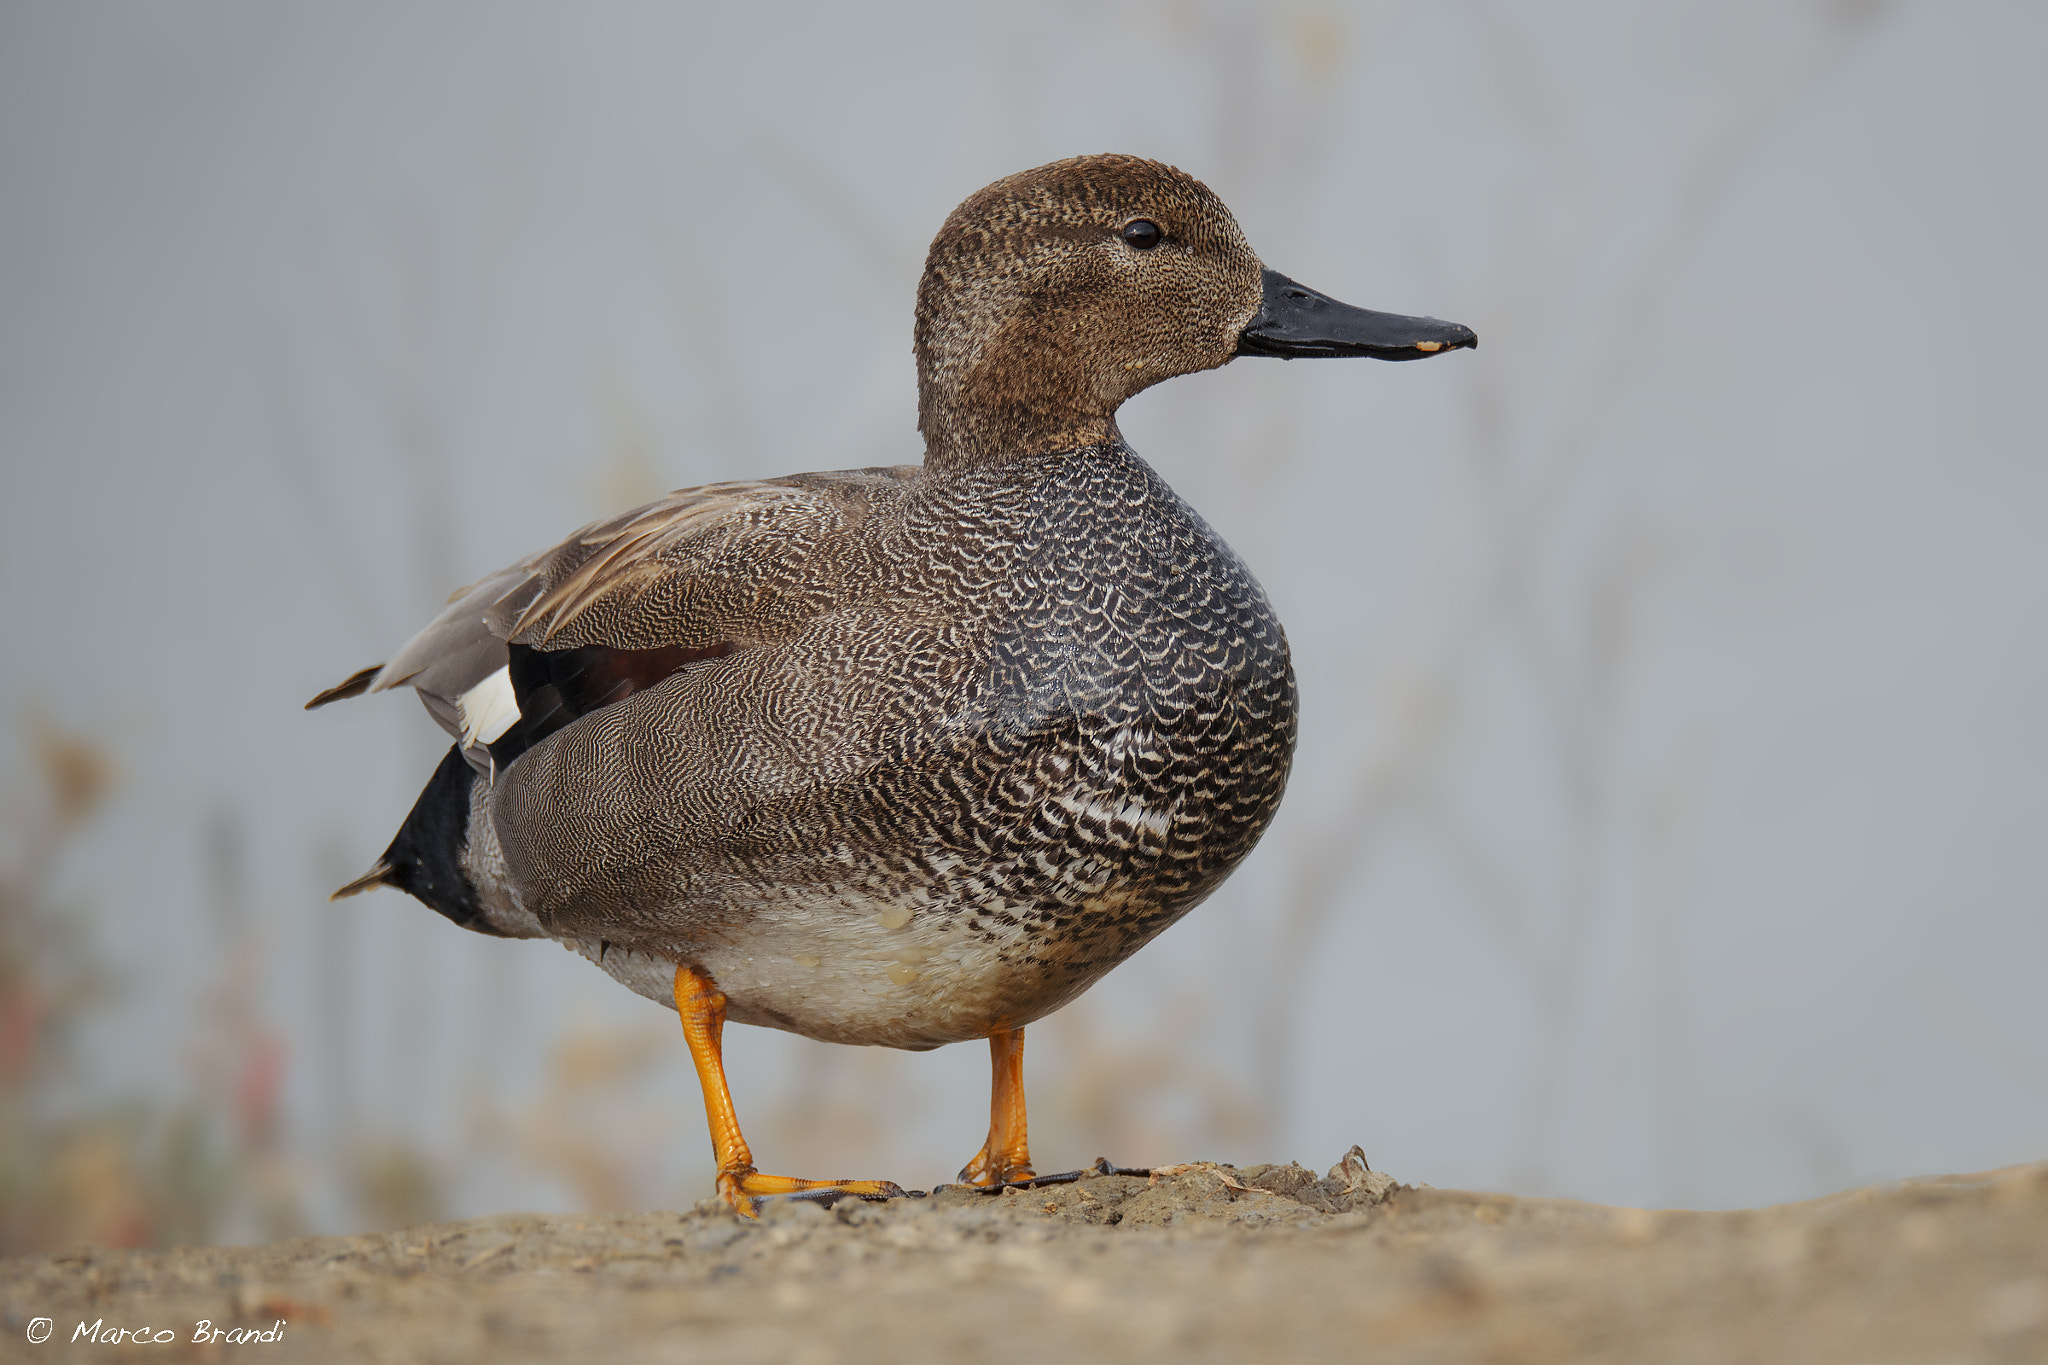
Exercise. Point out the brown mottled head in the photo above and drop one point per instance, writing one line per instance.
(1052, 296)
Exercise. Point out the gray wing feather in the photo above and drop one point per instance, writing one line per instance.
(629, 581)
(458, 649)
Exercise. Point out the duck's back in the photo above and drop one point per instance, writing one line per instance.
(1045, 712)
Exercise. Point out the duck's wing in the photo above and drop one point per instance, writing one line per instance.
(676, 572)
(698, 571)
(448, 661)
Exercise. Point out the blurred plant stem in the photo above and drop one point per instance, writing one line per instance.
(138, 1171)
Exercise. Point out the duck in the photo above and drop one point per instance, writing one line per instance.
(899, 756)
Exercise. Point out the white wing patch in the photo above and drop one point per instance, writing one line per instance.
(488, 709)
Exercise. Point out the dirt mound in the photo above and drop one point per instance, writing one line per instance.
(1199, 1262)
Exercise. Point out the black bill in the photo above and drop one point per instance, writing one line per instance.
(1294, 320)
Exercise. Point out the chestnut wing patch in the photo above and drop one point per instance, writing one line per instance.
(557, 686)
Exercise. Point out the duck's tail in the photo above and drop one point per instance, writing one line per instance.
(383, 874)
(354, 685)
(425, 860)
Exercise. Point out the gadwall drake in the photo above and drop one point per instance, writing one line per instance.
(898, 756)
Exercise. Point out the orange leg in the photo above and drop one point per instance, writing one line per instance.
(702, 1007)
(1006, 1156)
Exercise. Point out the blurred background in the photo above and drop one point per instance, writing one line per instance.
(1667, 825)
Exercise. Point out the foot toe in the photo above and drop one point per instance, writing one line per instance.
(745, 1189)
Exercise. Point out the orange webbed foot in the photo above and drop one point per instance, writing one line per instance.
(1001, 1169)
(744, 1189)
(701, 1007)
(1006, 1157)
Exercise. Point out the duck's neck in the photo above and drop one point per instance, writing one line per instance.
(957, 440)
(1000, 382)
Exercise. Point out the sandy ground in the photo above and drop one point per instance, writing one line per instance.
(1211, 1263)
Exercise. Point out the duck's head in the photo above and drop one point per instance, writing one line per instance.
(1053, 295)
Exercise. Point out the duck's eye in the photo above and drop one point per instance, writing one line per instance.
(1142, 233)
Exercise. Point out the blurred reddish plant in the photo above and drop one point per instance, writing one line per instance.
(131, 1171)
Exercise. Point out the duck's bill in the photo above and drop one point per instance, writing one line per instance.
(1294, 320)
